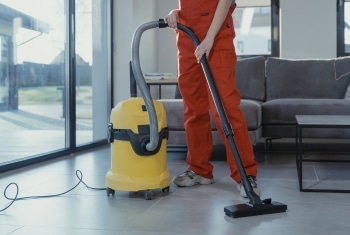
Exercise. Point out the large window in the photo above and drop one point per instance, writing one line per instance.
(54, 75)
(343, 32)
(256, 25)
(92, 61)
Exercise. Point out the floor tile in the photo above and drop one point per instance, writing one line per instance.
(182, 211)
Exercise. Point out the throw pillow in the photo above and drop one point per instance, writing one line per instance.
(347, 95)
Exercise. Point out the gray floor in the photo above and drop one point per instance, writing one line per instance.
(194, 210)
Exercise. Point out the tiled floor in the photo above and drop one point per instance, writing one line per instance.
(195, 210)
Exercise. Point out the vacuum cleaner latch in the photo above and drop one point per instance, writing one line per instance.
(110, 135)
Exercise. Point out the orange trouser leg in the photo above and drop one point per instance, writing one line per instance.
(197, 97)
(224, 77)
(193, 89)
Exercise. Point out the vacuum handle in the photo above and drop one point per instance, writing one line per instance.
(162, 24)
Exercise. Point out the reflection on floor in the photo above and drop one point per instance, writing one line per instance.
(185, 211)
(42, 126)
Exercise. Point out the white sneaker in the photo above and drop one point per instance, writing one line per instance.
(190, 178)
(252, 181)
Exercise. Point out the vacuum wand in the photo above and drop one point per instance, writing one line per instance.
(227, 129)
(255, 206)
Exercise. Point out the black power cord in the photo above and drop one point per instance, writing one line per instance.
(78, 173)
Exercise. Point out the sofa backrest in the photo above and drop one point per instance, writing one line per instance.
(308, 78)
(250, 78)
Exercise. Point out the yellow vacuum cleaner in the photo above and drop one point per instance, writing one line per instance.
(138, 135)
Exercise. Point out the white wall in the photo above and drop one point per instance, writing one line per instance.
(157, 46)
(167, 53)
(123, 29)
(148, 45)
(308, 29)
(128, 15)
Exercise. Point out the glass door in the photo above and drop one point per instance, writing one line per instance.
(55, 77)
(32, 74)
(92, 73)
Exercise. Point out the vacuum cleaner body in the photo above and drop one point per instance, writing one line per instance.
(133, 168)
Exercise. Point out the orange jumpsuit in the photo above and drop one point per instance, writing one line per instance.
(197, 15)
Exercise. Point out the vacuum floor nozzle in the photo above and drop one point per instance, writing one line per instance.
(245, 210)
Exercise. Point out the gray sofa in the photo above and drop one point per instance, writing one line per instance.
(273, 91)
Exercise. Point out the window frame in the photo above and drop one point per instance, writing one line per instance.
(275, 38)
(340, 28)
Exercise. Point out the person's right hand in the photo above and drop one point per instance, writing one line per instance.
(172, 18)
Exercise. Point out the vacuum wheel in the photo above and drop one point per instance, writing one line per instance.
(148, 195)
(166, 190)
(110, 192)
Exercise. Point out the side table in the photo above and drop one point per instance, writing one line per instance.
(161, 82)
(316, 121)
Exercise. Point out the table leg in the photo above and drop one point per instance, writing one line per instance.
(299, 153)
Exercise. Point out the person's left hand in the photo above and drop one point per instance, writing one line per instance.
(204, 48)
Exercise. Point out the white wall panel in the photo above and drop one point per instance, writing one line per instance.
(308, 29)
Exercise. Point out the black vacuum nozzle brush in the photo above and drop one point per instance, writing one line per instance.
(246, 209)
(255, 206)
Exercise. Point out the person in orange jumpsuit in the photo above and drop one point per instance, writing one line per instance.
(211, 21)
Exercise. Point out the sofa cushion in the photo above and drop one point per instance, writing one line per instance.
(250, 78)
(252, 112)
(289, 131)
(312, 78)
(347, 94)
(179, 139)
(175, 110)
(283, 111)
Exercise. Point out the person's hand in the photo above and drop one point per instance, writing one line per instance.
(172, 18)
(204, 48)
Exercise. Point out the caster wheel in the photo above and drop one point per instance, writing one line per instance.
(110, 192)
(148, 195)
(166, 190)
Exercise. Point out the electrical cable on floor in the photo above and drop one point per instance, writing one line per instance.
(78, 173)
